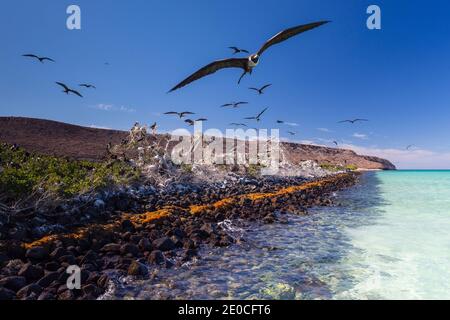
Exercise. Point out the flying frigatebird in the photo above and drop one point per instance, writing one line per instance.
(261, 90)
(352, 121)
(179, 114)
(233, 104)
(67, 90)
(247, 64)
(41, 59)
(89, 86)
(238, 50)
(258, 117)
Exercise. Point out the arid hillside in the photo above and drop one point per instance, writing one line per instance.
(61, 139)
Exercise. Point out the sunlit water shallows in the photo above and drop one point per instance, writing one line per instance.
(388, 239)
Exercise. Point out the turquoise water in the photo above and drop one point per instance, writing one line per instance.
(405, 252)
(389, 238)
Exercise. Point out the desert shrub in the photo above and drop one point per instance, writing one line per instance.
(351, 167)
(22, 173)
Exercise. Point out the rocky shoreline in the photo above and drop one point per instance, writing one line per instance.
(126, 231)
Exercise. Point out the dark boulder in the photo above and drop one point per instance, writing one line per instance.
(163, 244)
(36, 253)
(46, 280)
(137, 269)
(32, 290)
(13, 283)
(156, 257)
(145, 244)
(130, 248)
(6, 294)
(31, 272)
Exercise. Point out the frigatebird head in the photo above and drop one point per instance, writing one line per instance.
(254, 59)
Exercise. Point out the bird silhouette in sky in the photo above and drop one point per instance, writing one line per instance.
(234, 104)
(238, 50)
(258, 117)
(261, 90)
(89, 86)
(67, 90)
(353, 121)
(41, 59)
(181, 115)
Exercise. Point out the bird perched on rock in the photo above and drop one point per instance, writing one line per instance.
(247, 64)
(154, 127)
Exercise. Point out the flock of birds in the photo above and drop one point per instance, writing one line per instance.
(247, 64)
(66, 88)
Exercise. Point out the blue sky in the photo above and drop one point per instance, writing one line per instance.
(397, 77)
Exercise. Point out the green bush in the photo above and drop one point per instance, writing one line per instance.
(334, 168)
(21, 173)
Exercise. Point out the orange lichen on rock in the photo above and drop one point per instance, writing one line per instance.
(152, 216)
(149, 217)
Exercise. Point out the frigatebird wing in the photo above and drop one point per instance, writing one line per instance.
(30, 56)
(212, 68)
(76, 93)
(265, 87)
(47, 58)
(63, 85)
(262, 112)
(289, 33)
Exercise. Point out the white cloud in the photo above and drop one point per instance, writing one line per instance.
(406, 159)
(324, 129)
(292, 124)
(104, 107)
(111, 107)
(360, 136)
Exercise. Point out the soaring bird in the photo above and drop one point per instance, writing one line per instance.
(189, 122)
(201, 120)
(234, 104)
(179, 114)
(292, 133)
(352, 121)
(89, 86)
(41, 59)
(247, 64)
(67, 90)
(261, 90)
(280, 121)
(258, 117)
(409, 147)
(335, 142)
(237, 50)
